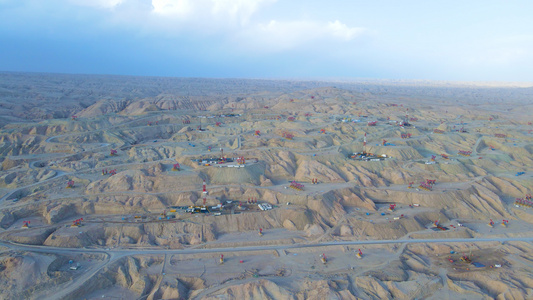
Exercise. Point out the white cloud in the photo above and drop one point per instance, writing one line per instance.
(241, 10)
(173, 7)
(277, 36)
(343, 31)
(97, 3)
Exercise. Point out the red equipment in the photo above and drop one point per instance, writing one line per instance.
(297, 186)
(287, 135)
(77, 223)
(465, 153)
(360, 254)
(113, 152)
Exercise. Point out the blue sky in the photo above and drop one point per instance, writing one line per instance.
(389, 39)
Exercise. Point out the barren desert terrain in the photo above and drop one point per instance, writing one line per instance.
(122, 187)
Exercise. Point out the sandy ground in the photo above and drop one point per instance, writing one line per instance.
(128, 211)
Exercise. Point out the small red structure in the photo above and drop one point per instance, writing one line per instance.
(505, 222)
(113, 172)
(257, 132)
(374, 123)
(384, 142)
(217, 124)
(444, 156)
(176, 167)
(406, 135)
(186, 121)
(297, 186)
(26, 224)
(104, 171)
(323, 131)
(221, 258)
(113, 152)
(465, 153)
(360, 254)
(491, 223)
(74, 118)
(524, 202)
(77, 223)
(70, 184)
(433, 157)
(323, 258)
(291, 119)
(241, 160)
(410, 185)
(260, 231)
(392, 207)
(287, 135)
(431, 181)
(425, 186)
(436, 223)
